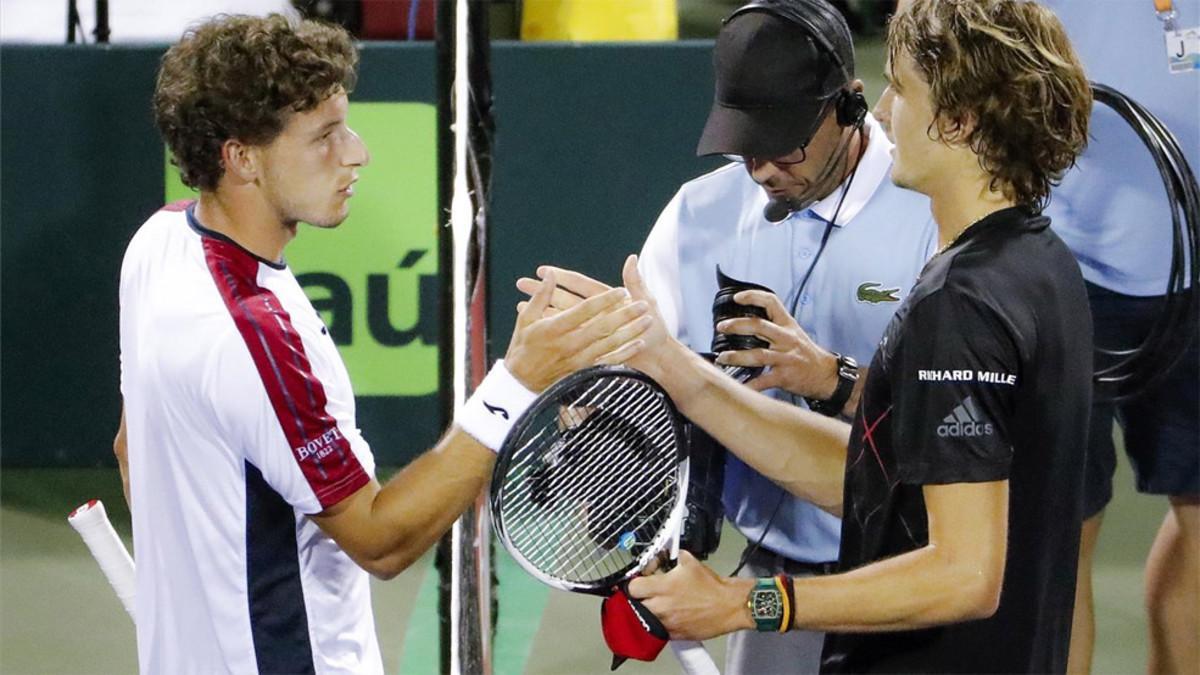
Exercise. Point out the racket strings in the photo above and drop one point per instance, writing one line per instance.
(630, 530)
(569, 416)
(581, 487)
(581, 480)
(580, 558)
(614, 559)
(592, 488)
(579, 491)
(595, 435)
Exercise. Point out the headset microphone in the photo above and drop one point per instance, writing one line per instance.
(777, 210)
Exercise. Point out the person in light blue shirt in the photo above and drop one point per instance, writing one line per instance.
(1113, 213)
(849, 247)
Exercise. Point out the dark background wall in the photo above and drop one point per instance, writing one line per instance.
(591, 142)
(591, 148)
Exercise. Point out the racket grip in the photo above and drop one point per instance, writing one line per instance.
(693, 658)
(91, 522)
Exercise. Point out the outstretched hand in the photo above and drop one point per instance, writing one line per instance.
(693, 602)
(570, 288)
(793, 361)
(564, 291)
(602, 329)
(659, 346)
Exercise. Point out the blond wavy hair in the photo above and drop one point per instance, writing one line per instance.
(1005, 81)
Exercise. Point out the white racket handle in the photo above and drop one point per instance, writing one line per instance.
(91, 522)
(694, 659)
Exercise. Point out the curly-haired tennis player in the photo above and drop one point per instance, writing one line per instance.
(256, 514)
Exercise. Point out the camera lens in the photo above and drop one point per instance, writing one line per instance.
(724, 308)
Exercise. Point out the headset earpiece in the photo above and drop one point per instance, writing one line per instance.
(851, 108)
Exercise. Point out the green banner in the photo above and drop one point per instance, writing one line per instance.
(374, 278)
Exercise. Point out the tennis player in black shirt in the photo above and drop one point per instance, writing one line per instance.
(959, 481)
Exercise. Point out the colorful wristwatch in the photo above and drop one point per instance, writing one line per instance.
(767, 604)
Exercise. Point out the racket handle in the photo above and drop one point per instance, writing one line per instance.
(694, 659)
(91, 522)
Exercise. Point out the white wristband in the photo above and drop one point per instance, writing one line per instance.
(495, 406)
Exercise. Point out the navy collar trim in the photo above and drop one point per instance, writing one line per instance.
(203, 231)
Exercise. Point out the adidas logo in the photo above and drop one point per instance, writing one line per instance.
(965, 421)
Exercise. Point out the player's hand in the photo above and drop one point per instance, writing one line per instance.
(693, 602)
(570, 288)
(793, 361)
(661, 352)
(603, 329)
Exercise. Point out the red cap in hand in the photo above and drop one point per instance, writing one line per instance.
(630, 630)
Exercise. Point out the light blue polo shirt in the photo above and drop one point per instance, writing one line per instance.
(1111, 210)
(882, 238)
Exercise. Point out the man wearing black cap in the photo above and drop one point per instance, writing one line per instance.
(807, 210)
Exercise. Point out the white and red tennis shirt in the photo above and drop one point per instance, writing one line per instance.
(241, 422)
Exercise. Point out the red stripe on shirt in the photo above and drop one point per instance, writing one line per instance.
(178, 205)
(296, 394)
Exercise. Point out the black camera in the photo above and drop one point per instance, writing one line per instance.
(705, 512)
(724, 308)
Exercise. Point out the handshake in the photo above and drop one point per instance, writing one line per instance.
(755, 339)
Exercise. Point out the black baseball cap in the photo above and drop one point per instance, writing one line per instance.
(774, 82)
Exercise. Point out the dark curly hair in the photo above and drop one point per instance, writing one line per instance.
(1003, 80)
(239, 77)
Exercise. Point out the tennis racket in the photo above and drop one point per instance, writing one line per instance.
(91, 522)
(590, 485)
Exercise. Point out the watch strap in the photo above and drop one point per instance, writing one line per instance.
(847, 377)
(789, 601)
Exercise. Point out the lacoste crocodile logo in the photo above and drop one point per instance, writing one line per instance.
(872, 293)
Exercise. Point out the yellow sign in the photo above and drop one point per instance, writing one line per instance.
(599, 20)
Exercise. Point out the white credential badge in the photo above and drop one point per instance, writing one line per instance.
(1183, 50)
(1183, 45)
